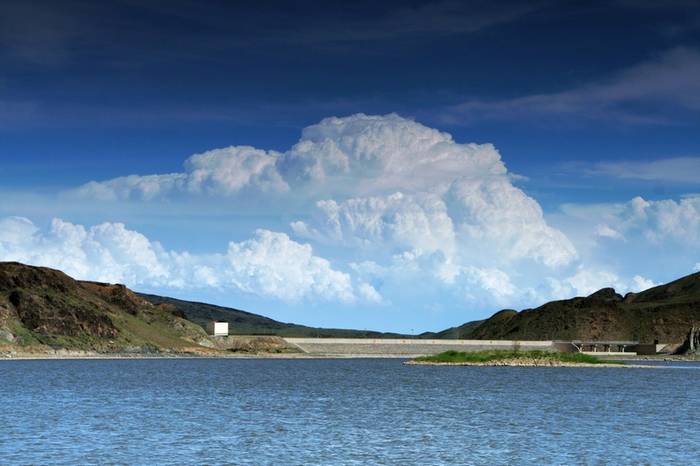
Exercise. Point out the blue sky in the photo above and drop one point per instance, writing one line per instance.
(398, 166)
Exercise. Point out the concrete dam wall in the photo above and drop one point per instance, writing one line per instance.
(407, 347)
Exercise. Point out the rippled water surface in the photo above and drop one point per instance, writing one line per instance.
(343, 412)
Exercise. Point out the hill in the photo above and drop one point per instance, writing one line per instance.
(247, 323)
(664, 313)
(453, 333)
(45, 308)
(42, 308)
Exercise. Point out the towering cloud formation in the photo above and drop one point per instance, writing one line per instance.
(359, 154)
(442, 196)
(402, 221)
(364, 154)
(404, 196)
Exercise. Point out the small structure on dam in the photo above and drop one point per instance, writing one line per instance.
(605, 346)
(628, 348)
(217, 328)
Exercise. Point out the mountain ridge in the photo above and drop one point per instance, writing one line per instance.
(247, 323)
(45, 307)
(663, 313)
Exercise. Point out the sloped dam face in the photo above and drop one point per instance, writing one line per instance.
(410, 347)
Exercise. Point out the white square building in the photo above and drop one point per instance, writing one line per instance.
(217, 329)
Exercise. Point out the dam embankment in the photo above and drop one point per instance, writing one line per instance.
(409, 347)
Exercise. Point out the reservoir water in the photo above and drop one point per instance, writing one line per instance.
(359, 411)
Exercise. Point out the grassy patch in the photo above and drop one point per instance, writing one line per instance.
(157, 332)
(23, 337)
(502, 355)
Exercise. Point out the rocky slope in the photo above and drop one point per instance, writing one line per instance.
(44, 308)
(664, 313)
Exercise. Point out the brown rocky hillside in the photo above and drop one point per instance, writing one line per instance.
(44, 307)
(664, 313)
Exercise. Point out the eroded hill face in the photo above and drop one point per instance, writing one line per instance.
(45, 307)
(47, 302)
(664, 313)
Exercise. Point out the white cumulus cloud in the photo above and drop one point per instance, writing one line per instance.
(107, 252)
(449, 196)
(658, 220)
(217, 172)
(270, 264)
(278, 266)
(384, 189)
(227, 171)
(369, 293)
(125, 187)
(499, 218)
(494, 281)
(365, 154)
(604, 231)
(359, 154)
(589, 280)
(402, 221)
(640, 283)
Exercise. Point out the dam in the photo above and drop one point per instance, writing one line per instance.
(412, 347)
(380, 347)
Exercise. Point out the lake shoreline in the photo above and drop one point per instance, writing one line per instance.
(517, 358)
(532, 363)
(155, 356)
(13, 354)
(409, 361)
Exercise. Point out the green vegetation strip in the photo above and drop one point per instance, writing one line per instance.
(504, 355)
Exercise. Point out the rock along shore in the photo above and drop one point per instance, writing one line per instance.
(525, 362)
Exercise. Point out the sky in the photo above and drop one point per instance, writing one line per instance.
(397, 166)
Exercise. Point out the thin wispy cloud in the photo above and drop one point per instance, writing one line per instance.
(348, 24)
(653, 92)
(64, 32)
(672, 170)
(441, 18)
(52, 31)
